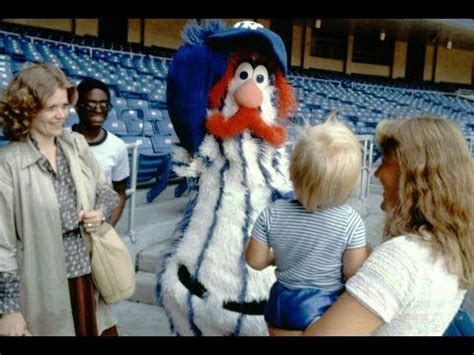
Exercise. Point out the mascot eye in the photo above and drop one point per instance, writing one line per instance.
(244, 71)
(261, 76)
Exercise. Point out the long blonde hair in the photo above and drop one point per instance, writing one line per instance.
(436, 188)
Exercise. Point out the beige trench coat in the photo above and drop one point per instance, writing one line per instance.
(30, 233)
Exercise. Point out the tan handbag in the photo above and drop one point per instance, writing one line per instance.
(112, 268)
(111, 264)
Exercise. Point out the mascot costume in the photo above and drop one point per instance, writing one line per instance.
(228, 99)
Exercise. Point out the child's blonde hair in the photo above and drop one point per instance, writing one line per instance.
(325, 165)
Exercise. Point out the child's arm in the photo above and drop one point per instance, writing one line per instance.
(258, 255)
(352, 260)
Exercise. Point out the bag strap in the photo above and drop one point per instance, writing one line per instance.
(82, 197)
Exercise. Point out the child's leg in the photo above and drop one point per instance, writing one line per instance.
(278, 332)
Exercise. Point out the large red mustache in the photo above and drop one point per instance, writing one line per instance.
(245, 118)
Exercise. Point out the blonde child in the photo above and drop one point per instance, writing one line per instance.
(316, 241)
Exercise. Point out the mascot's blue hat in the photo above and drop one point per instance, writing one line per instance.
(200, 62)
(249, 33)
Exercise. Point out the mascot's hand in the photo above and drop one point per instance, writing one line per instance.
(278, 137)
(274, 135)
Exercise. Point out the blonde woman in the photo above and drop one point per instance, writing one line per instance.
(316, 241)
(45, 274)
(415, 281)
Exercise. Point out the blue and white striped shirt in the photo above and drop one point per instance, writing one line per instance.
(308, 246)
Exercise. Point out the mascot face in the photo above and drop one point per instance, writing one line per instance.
(245, 99)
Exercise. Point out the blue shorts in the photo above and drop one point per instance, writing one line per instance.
(296, 309)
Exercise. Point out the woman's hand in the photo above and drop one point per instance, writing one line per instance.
(13, 324)
(91, 220)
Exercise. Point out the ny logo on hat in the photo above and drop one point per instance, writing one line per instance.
(251, 25)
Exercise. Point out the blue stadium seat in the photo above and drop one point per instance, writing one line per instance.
(3, 141)
(164, 128)
(137, 127)
(129, 115)
(113, 114)
(73, 118)
(161, 144)
(119, 105)
(144, 144)
(152, 115)
(165, 114)
(115, 126)
(137, 104)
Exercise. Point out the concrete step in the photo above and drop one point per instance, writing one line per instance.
(149, 258)
(145, 291)
(154, 223)
(137, 319)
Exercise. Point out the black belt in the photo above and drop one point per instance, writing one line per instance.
(72, 233)
(196, 288)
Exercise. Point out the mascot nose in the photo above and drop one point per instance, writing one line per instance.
(249, 95)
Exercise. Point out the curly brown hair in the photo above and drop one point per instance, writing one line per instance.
(27, 94)
(436, 188)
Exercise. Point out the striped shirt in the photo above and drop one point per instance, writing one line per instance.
(308, 246)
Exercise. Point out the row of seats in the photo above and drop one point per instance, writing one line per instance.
(362, 106)
(138, 94)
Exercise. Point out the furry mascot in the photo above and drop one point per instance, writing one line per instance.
(226, 93)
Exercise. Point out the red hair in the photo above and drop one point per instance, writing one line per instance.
(286, 100)
(218, 91)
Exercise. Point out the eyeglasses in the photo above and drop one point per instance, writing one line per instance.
(91, 106)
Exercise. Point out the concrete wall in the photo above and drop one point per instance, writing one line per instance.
(326, 64)
(87, 27)
(429, 62)
(134, 30)
(265, 22)
(55, 24)
(370, 69)
(350, 50)
(297, 42)
(453, 66)
(399, 59)
(164, 32)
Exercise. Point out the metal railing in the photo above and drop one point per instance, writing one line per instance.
(367, 145)
(470, 143)
(131, 192)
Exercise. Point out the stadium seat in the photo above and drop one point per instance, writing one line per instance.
(161, 144)
(129, 115)
(115, 126)
(73, 118)
(138, 127)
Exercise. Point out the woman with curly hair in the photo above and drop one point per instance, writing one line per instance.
(415, 281)
(45, 277)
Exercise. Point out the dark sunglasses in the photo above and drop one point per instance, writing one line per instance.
(90, 106)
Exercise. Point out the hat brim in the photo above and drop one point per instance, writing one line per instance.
(235, 37)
